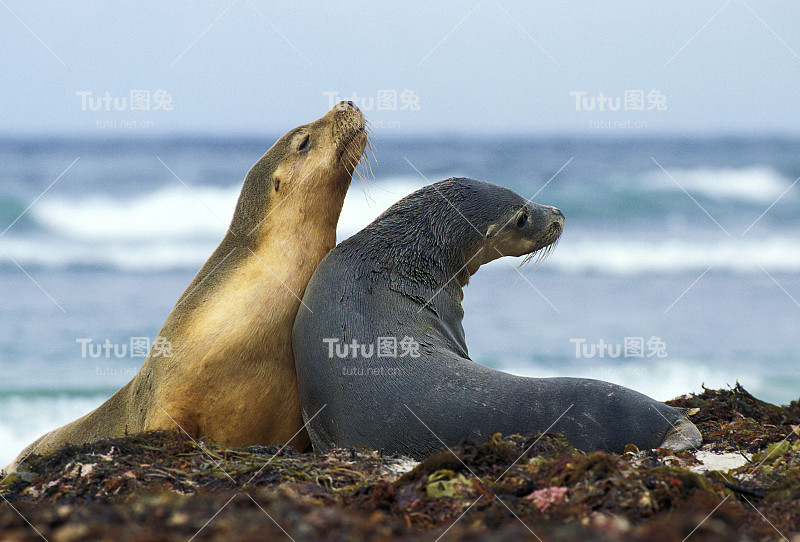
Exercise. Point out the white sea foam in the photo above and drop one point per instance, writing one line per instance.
(121, 255)
(630, 256)
(362, 206)
(177, 212)
(172, 212)
(27, 418)
(170, 228)
(661, 380)
(611, 256)
(178, 228)
(615, 256)
(757, 184)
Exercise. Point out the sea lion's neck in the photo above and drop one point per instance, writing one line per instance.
(419, 256)
(450, 254)
(258, 225)
(293, 253)
(252, 207)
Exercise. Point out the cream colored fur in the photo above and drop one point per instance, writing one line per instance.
(232, 377)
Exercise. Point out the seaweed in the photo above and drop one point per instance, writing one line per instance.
(164, 486)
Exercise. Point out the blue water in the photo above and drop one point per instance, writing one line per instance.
(646, 254)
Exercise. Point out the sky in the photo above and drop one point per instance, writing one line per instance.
(416, 67)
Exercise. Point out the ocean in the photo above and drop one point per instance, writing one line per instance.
(679, 265)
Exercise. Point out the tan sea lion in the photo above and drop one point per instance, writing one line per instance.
(231, 376)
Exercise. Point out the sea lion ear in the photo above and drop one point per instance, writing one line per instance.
(491, 231)
(277, 183)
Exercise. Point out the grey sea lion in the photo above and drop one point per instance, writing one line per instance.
(230, 376)
(401, 278)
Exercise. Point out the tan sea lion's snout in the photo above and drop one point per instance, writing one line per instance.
(347, 112)
(325, 154)
(349, 133)
(346, 105)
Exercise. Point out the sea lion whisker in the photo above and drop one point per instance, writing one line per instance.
(363, 187)
(542, 254)
(536, 258)
(519, 268)
(365, 174)
(371, 138)
(526, 259)
(359, 171)
(369, 166)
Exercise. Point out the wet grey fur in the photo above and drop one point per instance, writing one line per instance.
(402, 276)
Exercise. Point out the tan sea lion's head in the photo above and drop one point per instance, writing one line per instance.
(306, 172)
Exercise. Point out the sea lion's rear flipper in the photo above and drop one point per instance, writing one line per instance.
(682, 436)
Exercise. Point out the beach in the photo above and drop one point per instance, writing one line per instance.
(741, 485)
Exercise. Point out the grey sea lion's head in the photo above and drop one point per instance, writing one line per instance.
(522, 228)
(492, 221)
(450, 228)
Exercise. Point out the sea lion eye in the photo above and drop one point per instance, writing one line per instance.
(277, 184)
(304, 143)
(522, 220)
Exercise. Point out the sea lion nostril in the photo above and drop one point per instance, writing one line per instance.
(348, 104)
